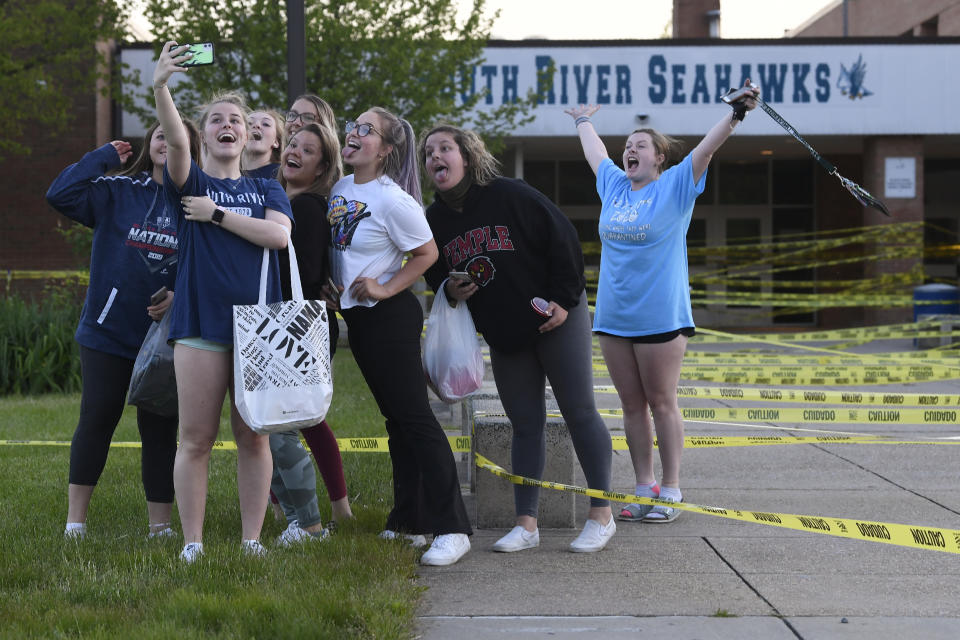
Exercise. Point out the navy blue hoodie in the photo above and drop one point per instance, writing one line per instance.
(134, 248)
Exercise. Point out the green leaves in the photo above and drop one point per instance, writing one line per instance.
(405, 56)
(37, 350)
(49, 59)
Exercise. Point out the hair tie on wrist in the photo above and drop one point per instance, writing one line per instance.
(579, 121)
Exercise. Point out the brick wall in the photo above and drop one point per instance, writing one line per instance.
(690, 19)
(873, 18)
(29, 240)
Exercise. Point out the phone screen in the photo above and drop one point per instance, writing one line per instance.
(202, 54)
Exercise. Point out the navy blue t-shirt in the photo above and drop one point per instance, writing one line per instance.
(219, 269)
(267, 171)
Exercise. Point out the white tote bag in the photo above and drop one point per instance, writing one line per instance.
(281, 358)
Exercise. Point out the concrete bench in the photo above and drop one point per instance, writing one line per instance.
(492, 438)
(948, 323)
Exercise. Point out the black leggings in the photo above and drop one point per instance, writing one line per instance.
(105, 381)
(385, 340)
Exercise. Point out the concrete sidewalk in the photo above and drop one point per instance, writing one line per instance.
(709, 577)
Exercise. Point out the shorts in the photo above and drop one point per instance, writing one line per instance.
(654, 338)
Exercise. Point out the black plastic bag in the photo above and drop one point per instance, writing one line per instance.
(153, 385)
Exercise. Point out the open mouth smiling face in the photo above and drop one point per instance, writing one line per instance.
(226, 127)
(640, 157)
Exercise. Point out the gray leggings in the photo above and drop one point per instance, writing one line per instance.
(294, 481)
(564, 357)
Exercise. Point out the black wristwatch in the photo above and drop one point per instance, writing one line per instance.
(217, 216)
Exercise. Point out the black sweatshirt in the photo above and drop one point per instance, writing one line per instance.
(311, 241)
(516, 245)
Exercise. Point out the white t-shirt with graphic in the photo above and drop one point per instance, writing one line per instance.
(372, 225)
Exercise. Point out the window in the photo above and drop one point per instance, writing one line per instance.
(788, 222)
(542, 177)
(697, 239)
(793, 181)
(743, 231)
(709, 195)
(743, 182)
(578, 185)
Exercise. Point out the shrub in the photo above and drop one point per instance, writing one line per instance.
(37, 351)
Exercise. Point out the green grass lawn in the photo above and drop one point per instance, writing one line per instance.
(116, 583)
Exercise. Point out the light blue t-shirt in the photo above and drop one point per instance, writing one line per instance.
(644, 287)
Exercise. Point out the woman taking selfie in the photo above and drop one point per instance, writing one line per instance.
(226, 219)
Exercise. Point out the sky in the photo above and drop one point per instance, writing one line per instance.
(638, 19)
(625, 19)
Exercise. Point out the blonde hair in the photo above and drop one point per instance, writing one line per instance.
(279, 123)
(401, 163)
(664, 145)
(330, 148)
(482, 167)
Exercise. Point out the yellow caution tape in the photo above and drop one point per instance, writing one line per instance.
(821, 415)
(737, 360)
(878, 283)
(904, 535)
(36, 274)
(904, 330)
(459, 444)
(800, 416)
(818, 396)
(824, 358)
(809, 376)
(719, 442)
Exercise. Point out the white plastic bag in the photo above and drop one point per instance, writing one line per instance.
(153, 384)
(452, 359)
(281, 358)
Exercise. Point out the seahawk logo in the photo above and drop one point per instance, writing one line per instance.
(850, 82)
(344, 216)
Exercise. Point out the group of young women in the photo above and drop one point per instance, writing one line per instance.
(268, 180)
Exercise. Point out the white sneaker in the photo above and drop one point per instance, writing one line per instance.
(253, 548)
(517, 540)
(416, 540)
(294, 534)
(192, 552)
(594, 536)
(446, 549)
(75, 531)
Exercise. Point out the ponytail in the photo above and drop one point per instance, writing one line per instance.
(409, 175)
(401, 163)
